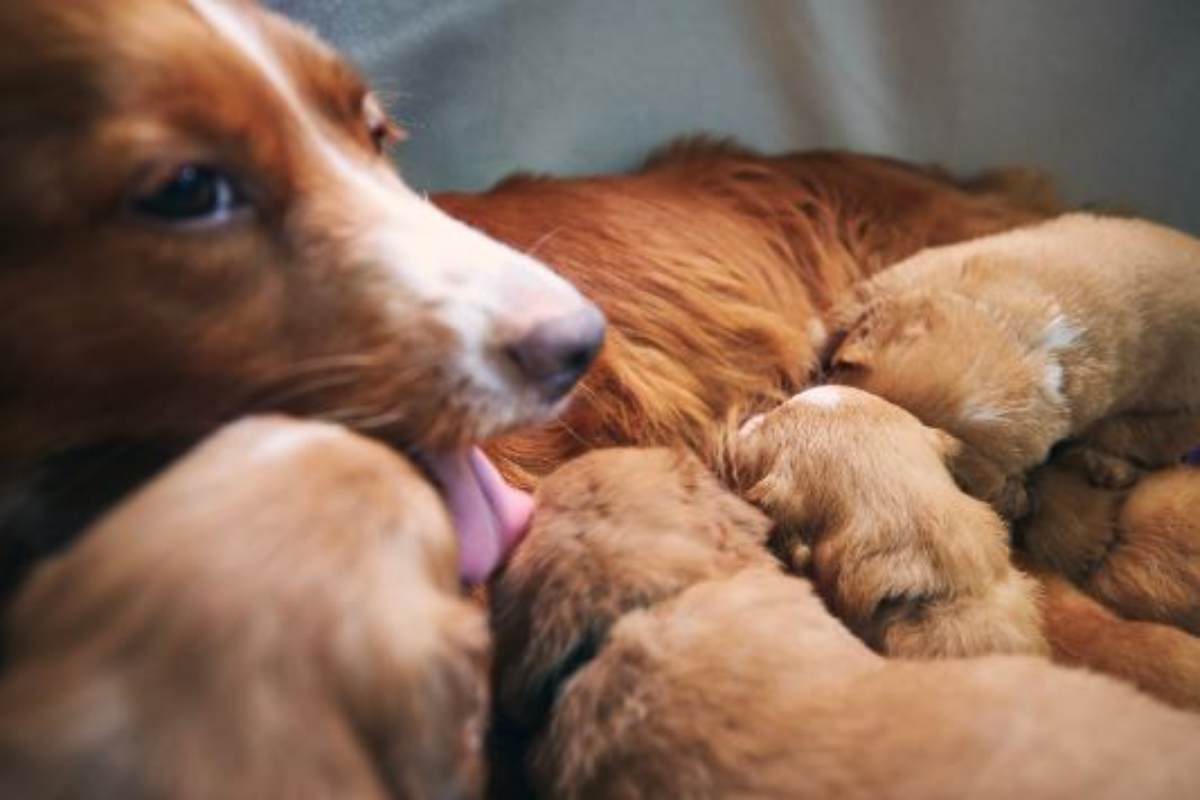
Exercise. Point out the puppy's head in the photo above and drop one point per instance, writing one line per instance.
(199, 218)
(811, 461)
(615, 530)
(306, 631)
(1076, 525)
(951, 362)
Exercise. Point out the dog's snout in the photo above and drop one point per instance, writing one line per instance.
(553, 354)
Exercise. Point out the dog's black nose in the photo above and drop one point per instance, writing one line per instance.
(553, 355)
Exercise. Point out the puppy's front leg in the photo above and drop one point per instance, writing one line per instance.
(981, 477)
(1118, 450)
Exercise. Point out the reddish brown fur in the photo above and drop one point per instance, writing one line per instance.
(212, 326)
(277, 616)
(1161, 660)
(713, 264)
(707, 673)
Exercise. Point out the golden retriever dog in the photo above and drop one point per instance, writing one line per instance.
(278, 615)
(200, 221)
(1082, 328)
(1137, 550)
(714, 266)
(863, 500)
(654, 649)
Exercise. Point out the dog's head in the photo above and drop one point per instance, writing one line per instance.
(615, 530)
(199, 219)
(306, 632)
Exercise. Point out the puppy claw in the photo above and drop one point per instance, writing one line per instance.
(799, 558)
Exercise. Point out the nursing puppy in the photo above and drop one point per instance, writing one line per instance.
(1081, 328)
(645, 635)
(277, 616)
(1137, 550)
(863, 501)
(199, 220)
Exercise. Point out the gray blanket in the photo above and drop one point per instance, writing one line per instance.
(1104, 94)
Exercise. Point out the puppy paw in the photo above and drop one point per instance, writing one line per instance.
(1013, 501)
(799, 558)
(982, 478)
(1103, 469)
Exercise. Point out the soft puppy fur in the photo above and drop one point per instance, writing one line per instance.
(277, 616)
(1137, 550)
(1159, 659)
(659, 652)
(864, 502)
(1084, 328)
(714, 265)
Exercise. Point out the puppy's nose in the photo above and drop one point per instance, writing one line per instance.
(554, 354)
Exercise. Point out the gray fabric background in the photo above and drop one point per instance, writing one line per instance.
(1105, 94)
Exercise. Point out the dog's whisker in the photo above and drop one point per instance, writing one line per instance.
(542, 240)
(291, 394)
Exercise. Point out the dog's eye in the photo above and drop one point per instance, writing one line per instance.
(383, 131)
(383, 135)
(192, 195)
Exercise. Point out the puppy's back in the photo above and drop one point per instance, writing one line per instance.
(747, 687)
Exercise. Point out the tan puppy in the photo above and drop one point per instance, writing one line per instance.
(645, 634)
(907, 560)
(1136, 550)
(1083, 327)
(278, 616)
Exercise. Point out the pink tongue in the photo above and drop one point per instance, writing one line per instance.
(490, 515)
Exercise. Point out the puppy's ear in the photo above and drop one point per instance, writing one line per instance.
(854, 353)
(947, 446)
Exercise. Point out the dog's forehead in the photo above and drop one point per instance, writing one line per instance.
(174, 52)
(292, 61)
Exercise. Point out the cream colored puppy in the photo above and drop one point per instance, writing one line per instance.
(907, 560)
(1083, 328)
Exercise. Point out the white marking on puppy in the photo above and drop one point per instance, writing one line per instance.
(1060, 334)
(1052, 382)
(823, 396)
(983, 414)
